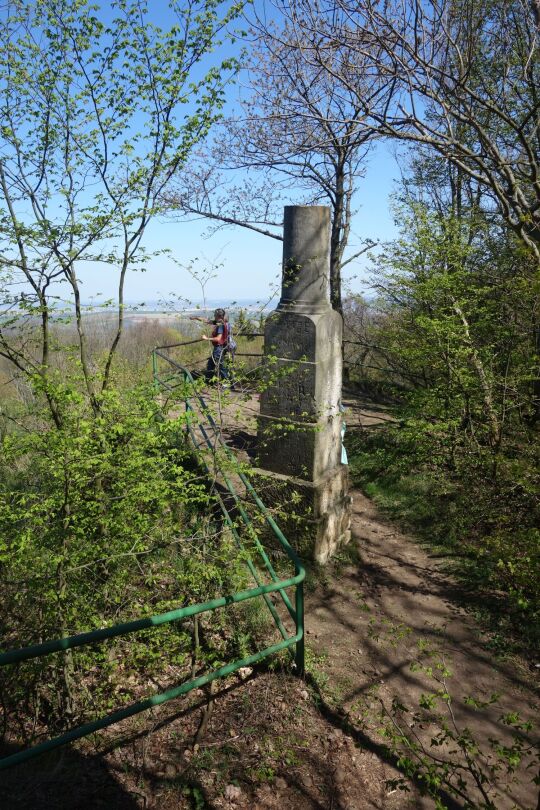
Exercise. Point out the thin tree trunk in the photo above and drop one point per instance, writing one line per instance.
(494, 425)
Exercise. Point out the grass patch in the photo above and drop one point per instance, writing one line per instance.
(486, 529)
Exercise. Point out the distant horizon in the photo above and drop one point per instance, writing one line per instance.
(162, 305)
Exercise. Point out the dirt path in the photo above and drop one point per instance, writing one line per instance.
(370, 622)
(374, 626)
(275, 741)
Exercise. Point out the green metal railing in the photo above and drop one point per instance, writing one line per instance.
(200, 420)
(174, 378)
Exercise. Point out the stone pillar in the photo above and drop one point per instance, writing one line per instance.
(300, 419)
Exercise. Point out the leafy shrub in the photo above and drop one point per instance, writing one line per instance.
(103, 519)
(487, 527)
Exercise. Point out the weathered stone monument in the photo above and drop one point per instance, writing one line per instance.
(300, 420)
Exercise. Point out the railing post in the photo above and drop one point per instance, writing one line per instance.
(155, 371)
(188, 407)
(299, 658)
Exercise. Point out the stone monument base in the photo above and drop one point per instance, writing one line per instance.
(300, 421)
(315, 516)
(299, 449)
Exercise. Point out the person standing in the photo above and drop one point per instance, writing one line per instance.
(216, 366)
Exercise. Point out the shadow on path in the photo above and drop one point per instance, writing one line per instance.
(370, 619)
(63, 780)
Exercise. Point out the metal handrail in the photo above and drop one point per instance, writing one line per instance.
(261, 591)
(199, 340)
(159, 352)
(188, 378)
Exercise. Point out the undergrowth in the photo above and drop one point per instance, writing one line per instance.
(485, 527)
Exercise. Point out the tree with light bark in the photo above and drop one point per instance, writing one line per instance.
(300, 132)
(99, 109)
(465, 76)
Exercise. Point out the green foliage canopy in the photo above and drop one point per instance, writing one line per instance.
(100, 108)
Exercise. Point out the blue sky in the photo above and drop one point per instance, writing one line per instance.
(251, 262)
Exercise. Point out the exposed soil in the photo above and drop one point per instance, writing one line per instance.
(273, 740)
(371, 620)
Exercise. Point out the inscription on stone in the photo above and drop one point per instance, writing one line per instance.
(293, 393)
(291, 336)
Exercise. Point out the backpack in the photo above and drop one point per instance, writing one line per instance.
(231, 344)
